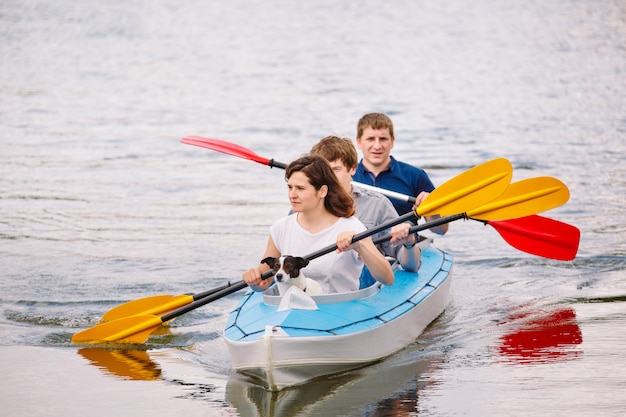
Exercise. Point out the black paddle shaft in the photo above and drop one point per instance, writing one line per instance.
(424, 226)
(277, 164)
(230, 288)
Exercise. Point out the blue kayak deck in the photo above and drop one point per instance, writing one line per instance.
(247, 322)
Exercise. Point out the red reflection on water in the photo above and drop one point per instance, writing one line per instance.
(546, 337)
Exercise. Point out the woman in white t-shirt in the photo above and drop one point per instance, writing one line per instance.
(323, 214)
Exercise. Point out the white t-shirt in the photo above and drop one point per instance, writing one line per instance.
(336, 272)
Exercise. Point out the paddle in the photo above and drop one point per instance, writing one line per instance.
(540, 236)
(245, 153)
(533, 234)
(521, 198)
(538, 192)
(527, 231)
(231, 149)
(156, 304)
(473, 188)
(387, 193)
(236, 150)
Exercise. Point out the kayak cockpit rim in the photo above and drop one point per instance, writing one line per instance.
(272, 297)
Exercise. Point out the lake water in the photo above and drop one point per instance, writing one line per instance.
(100, 203)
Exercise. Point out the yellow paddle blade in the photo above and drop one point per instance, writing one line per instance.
(472, 188)
(156, 305)
(523, 198)
(133, 329)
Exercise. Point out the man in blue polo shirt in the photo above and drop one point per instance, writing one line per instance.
(375, 140)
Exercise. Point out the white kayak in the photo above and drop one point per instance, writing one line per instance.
(286, 341)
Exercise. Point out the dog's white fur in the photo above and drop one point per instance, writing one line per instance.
(287, 272)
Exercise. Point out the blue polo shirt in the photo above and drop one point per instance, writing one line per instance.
(399, 177)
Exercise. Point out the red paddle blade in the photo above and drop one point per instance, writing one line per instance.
(540, 236)
(225, 147)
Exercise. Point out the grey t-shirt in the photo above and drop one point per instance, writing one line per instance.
(373, 209)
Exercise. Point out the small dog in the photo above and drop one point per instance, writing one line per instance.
(287, 273)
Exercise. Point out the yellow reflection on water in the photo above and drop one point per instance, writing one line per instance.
(126, 364)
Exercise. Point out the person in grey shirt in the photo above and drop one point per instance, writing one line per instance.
(372, 208)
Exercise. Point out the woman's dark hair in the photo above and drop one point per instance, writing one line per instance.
(318, 171)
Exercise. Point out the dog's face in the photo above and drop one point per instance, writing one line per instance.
(286, 267)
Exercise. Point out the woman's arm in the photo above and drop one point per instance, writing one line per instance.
(252, 276)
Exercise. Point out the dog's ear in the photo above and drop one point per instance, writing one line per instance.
(301, 262)
(269, 261)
